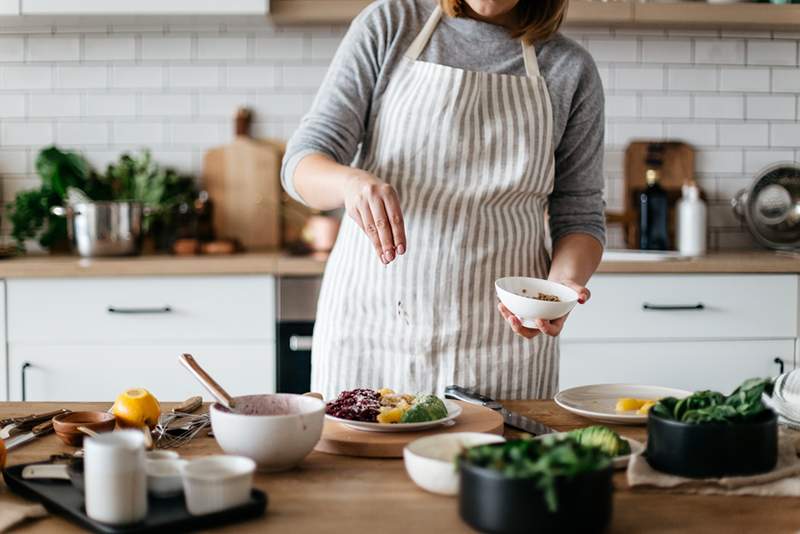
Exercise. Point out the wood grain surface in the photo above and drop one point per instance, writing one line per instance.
(343, 494)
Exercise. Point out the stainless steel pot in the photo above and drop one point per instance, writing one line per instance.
(771, 206)
(104, 228)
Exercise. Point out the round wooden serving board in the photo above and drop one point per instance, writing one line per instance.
(339, 439)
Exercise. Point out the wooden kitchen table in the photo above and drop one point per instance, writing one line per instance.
(340, 494)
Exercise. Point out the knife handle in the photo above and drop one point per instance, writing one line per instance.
(43, 428)
(466, 395)
(29, 421)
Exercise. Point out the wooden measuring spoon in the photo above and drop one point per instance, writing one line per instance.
(209, 383)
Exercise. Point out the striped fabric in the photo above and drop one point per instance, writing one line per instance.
(471, 156)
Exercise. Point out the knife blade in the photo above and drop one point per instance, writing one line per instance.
(18, 425)
(512, 419)
(37, 431)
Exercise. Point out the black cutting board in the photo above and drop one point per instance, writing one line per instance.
(61, 498)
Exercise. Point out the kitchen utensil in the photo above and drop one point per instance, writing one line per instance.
(163, 515)
(216, 483)
(71, 471)
(115, 477)
(510, 418)
(771, 206)
(222, 396)
(618, 462)
(490, 501)
(164, 477)
(17, 425)
(711, 450)
(519, 293)
(453, 411)
(70, 427)
(179, 431)
(277, 431)
(430, 461)
(339, 439)
(243, 182)
(104, 228)
(598, 402)
(39, 430)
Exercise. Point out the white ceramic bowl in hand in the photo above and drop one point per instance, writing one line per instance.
(430, 461)
(277, 431)
(216, 483)
(518, 294)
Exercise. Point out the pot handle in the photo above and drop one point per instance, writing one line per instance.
(59, 211)
(739, 204)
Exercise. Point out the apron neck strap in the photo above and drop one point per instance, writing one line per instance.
(421, 41)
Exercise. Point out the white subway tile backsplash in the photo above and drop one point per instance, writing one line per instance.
(785, 135)
(745, 134)
(786, 80)
(305, 76)
(692, 79)
(194, 76)
(42, 105)
(323, 47)
(780, 107)
(198, 133)
(719, 161)
(282, 105)
(35, 134)
(53, 48)
(13, 161)
(26, 77)
(251, 76)
(622, 105)
(755, 160)
(221, 105)
(280, 47)
(132, 135)
(82, 77)
(79, 134)
(667, 51)
(719, 51)
(160, 47)
(642, 78)
(168, 105)
(230, 48)
(666, 106)
(613, 50)
(137, 77)
(109, 48)
(12, 105)
(625, 132)
(718, 107)
(762, 52)
(110, 105)
(696, 133)
(12, 49)
(744, 79)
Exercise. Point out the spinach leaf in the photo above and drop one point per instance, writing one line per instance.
(744, 404)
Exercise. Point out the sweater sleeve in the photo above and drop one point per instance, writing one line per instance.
(336, 123)
(576, 204)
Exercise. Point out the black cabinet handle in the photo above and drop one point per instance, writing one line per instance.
(781, 365)
(25, 367)
(673, 307)
(141, 311)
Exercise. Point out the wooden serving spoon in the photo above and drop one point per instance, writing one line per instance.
(209, 383)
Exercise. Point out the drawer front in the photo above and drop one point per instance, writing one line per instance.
(141, 310)
(100, 373)
(688, 307)
(717, 365)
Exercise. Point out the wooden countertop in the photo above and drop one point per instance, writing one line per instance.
(282, 264)
(340, 494)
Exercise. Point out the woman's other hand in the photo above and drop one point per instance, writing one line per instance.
(375, 207)
(552, 327)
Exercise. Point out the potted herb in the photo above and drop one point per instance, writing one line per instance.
(553, 484)
(708, 434)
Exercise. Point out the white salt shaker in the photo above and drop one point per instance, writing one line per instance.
(692, 217)
(115, 477)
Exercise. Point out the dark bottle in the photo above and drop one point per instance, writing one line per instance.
(653, 213)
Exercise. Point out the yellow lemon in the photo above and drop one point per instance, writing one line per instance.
(645, 408)
(136, 408)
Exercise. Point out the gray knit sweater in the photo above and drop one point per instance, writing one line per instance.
(356, 82)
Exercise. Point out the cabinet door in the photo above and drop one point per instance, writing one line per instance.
(9, 7)
(145, 7)
(717, 365)
(100, 373)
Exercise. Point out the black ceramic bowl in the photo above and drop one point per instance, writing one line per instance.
(488, 501)
(713, 449)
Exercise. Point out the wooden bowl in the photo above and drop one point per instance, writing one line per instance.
(66, 425)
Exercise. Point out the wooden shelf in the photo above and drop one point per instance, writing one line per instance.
(586, 13)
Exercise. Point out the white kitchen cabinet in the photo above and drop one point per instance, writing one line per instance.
(691, 365)
(3, 344)
(687, 306)
(9, 7)
(100, 373)
(141, 310)
(144, 7)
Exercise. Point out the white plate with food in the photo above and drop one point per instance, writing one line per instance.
(606, 403)
(384, 410)
(620, 448)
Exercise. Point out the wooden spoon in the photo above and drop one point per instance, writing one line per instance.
(209, 383)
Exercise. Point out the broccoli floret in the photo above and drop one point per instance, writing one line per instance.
(603, 438)
(426, 408)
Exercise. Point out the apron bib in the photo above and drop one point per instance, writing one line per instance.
(471, 156)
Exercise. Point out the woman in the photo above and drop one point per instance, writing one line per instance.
(470, 125)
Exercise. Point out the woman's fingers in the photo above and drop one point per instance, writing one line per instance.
(383, 227)
(395, 214)
(516, 324)
(370, 228)
(553, 327)
(583, 293)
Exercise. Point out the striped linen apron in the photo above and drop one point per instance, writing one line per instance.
(471, 156)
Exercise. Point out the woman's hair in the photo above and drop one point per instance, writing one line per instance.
(538, 19)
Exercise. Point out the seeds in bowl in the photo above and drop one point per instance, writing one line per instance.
(541, 296)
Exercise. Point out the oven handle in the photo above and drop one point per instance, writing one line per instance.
(300, 343)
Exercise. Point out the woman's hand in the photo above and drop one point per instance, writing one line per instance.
(552, 327)
(375, 207)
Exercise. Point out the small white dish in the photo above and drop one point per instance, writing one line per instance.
(430, 461)
(216, 483)
(618, 462)
(598, 402)
(161, 455)
(517, 293)
(164, 476)
(453, 411)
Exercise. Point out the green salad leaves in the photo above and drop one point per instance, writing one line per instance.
(543, 460)
(744, 404)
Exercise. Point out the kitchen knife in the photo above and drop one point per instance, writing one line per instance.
(512, 419)
(21, 439)
(18, 425)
